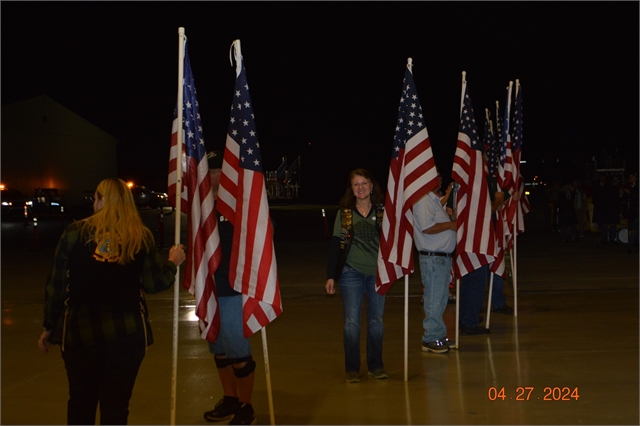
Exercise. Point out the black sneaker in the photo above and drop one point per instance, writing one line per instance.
(379, 374)
(437, 347)
(224, 409)
(244, 416)
(469, 331)
(448, 342)
(504, 310)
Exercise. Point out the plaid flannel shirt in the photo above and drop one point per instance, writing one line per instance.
(79, 325)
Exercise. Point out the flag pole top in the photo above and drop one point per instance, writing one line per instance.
(181, 30)
(237, 53)
(410, 64)
(464, 77)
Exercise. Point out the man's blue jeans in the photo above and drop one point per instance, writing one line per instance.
(435, 272)
(497, 292)
(472, 287)
(354, 287)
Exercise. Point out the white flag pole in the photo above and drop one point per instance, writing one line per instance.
(464, 84)
(486, 114)
(514, 260)
(406, 295)
(457, 310)
(515, 276)
(237, 54)
(176, 284)
(489, 301)
(267, 373)
(406, 328)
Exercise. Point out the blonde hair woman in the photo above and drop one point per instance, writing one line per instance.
(95, 307)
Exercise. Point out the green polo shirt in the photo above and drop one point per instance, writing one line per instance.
(363, 254)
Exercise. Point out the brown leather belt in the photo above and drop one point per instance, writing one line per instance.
(435, 253)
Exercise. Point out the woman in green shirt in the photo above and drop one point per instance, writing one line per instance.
(353, 261)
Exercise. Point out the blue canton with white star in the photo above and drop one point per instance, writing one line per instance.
(242, 126)
(504, 129)
(517, 122)
(191, 122)
(410, 118)
(468, 123)
(490, 142)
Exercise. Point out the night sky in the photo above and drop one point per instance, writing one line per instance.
(326, 78)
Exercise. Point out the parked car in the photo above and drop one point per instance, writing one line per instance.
(13, 203)
(47, 201)
(148, 199)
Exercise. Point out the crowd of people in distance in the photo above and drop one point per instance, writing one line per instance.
(615, 207)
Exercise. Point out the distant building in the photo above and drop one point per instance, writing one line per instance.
(46, 145)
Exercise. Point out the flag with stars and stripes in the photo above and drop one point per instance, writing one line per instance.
(505, 166)
(491, 146)
(476, 245)
(242, 199)
(203, 244)
(412, 175)
(521, 207)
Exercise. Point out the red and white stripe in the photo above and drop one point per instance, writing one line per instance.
(203, 244)
(412, 175)
(173, 167)
(476, 245)
(242, 199)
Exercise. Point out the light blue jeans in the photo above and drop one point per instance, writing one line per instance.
(231, 341)
(435, 272)
(356, 287)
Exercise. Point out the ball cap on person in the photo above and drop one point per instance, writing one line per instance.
(215, 159)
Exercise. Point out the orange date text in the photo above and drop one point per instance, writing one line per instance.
(529, 393)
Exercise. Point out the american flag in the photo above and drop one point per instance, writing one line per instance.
(475, 235)
(505, 167)
(498, 130)
(491, 147)
(493, 151)
(517, 207)
(493, 158)
(412, 175)
(523, 206)
(203, 244)
(242, 198)
(502, 227)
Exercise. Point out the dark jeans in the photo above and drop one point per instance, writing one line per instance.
(607, 232)
(633, 233)
(103, 373)
(497, 292)
(472, 288)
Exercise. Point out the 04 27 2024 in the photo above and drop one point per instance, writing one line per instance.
(529, 393)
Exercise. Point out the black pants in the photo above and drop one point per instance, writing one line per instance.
(103, 373)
